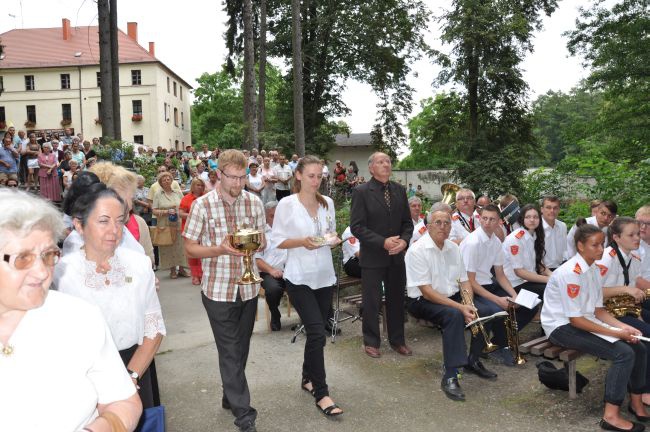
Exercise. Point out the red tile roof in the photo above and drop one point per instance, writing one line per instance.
(45, 47)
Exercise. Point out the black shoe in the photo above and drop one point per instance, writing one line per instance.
(248, 427)
(275, 320)
(452, 389)
(476, 367)
(502, 356)
(225, 404)
(638, 417)
(636, 427)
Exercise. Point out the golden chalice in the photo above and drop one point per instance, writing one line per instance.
(247, 240)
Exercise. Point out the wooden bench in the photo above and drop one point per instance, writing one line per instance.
(542, 347)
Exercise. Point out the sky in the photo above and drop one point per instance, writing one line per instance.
(189, 40)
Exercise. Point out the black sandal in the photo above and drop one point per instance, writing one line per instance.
(304, 382)
(328, 410)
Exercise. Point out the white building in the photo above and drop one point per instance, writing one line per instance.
(49, 80)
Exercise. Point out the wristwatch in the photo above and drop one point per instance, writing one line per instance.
(133, 375)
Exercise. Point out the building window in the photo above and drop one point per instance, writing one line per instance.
(174, 88)
(167, 84)
(66, 111)
(137, 107)
(99, 109)
(31, 113)
(99, 79)
(3, 119)
(2, 84)
(181, 91)
(166, 116)
(182, 121)
(136, 77)
(176, 117)
(138, 139)
(65, 81)
(29, 82)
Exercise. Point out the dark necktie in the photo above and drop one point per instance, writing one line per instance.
(387, 195)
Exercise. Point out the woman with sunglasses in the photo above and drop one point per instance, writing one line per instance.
(51, 342)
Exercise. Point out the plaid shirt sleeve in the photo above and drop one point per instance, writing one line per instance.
(195, 223)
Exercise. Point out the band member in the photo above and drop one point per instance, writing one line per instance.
(231, 307)
(463, 220)
(305, 225)
(351, 249)
(573, 311)
(434, 271)
(380, 219)
(419, 224)
(605, 213)
(524, 251)
(482, 252)
(555, 233)
(271, 266)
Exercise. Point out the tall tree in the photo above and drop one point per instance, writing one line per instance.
(261, 98)
(115, 72)
(105, 70)
(250, 114)
(298, 115)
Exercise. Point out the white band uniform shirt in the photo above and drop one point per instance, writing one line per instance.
(570, 241)
(313, 268)
(351, 246)
(282, 173)
(64, 363)
(204, 155)
(210, 220)
(611, 270)
(519, 250)
(555, 243)
(573, 290)
(458, 230)
(480, 253)
(273, 256)
(427, 264)
(126, 295)
(419, 230)
(644, 253)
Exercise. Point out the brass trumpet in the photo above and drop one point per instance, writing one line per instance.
(466, 299)
(512, 332)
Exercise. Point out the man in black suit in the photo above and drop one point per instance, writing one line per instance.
(381, 220)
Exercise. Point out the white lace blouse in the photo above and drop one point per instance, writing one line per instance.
(126, 294)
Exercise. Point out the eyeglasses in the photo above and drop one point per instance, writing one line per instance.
(25, 260)
(440, 223)
(234, 178)
(643, 224)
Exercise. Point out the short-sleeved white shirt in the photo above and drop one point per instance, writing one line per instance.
(313, 268)
(611, 270)
(644, 253)
(64, 363)
(351, 246)
(419, 230)
(555, 243)
(427, 264)
(282, 173)
(458, 230)
(570, 241)
(574, 290)
(480, 253)
(519, 250)
(273, 256)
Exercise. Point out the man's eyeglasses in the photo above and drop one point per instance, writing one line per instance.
(234, 178)
(644, 224)
(440, 223)
(25, 260)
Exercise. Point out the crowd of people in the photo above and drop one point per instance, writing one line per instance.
(448, 265)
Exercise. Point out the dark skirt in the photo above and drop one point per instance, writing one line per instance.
(148, 381)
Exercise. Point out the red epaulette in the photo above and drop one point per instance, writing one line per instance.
(603, 269)
(612, 253)
(422, 229)
(577, 269)
(455, 217)
(520, 234)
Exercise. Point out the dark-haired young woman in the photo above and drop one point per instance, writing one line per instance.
(573, 316)
(524, 251)
(305, 225)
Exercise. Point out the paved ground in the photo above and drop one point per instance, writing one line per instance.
(390, 394)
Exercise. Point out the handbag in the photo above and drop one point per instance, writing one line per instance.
(152, 420)
(163, 236)
(558, 379)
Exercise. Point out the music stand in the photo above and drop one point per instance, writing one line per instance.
(336, 320)
(298, 329)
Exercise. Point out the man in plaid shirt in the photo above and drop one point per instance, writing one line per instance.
(230, 307)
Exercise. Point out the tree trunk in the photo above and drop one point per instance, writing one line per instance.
(250, 124)
(106, 114)
(298, 117)
(472, 95)
(115, 68)
(261, 97)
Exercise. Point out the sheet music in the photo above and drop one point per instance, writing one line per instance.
(527, 299)
(486, 318)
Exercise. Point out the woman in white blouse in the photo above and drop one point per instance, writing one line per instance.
(305, 225)
(255, 180)
(524, 251)
(116, 279)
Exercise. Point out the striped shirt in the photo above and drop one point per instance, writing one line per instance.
(211, 218)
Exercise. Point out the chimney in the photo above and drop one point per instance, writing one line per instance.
(66, 28)
(132, 30)
(152, 48)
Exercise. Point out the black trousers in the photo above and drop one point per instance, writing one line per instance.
(274, 288)
(352, 267)
(232, 326)
(523, 314)
(148, 382)
(312, 306)
(279, 194)
(393, 281)
(536, 287)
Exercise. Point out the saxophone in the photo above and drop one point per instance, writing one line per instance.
(512, 332)
(624, 304)
(466, 299)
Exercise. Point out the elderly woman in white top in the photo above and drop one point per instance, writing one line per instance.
(118, 280)
(305, 225)
(59, 367)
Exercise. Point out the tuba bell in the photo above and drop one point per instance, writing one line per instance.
(449, 193)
